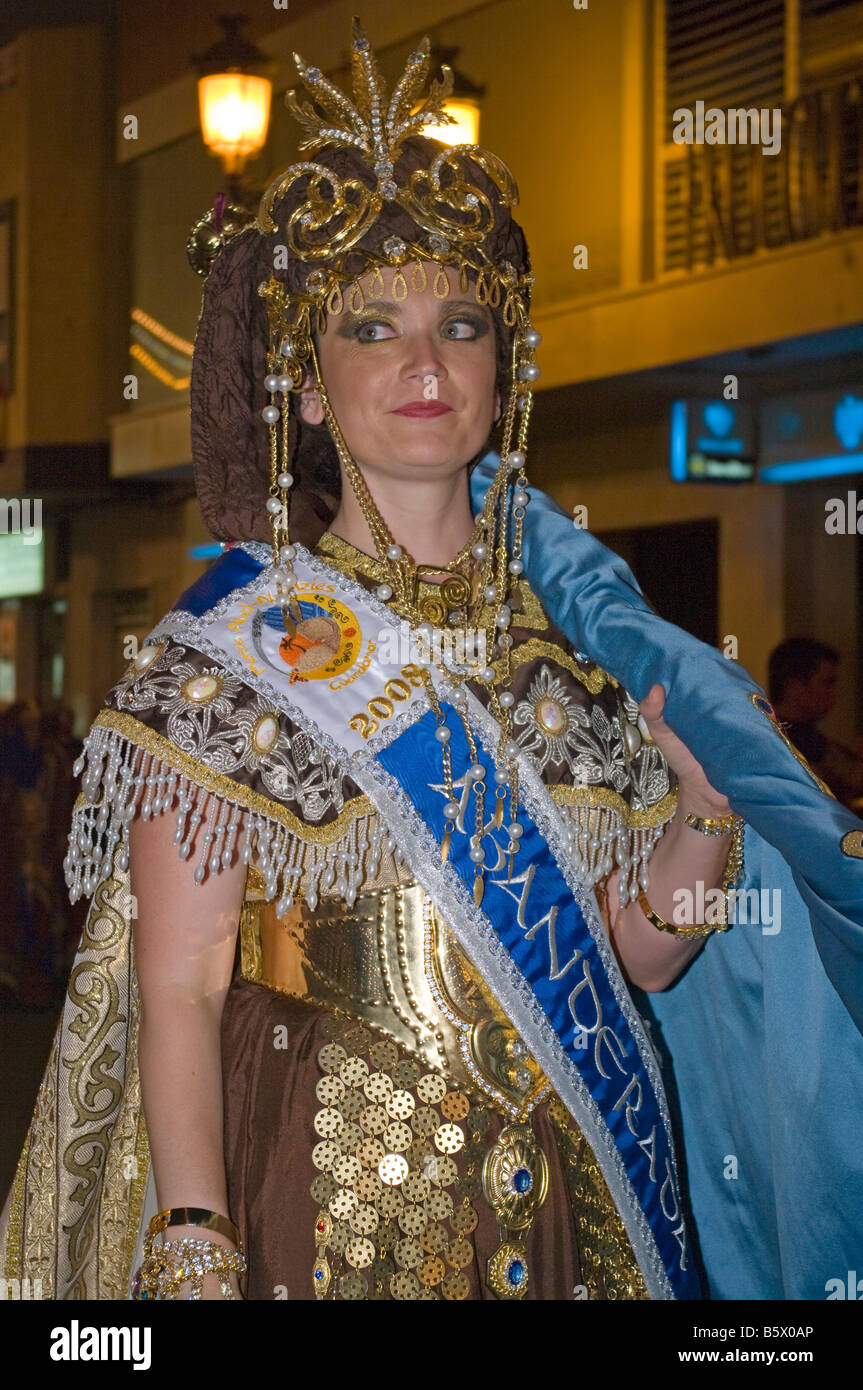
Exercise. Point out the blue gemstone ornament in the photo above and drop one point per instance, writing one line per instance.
(522, 1180)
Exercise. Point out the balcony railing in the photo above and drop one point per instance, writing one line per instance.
(721, 202)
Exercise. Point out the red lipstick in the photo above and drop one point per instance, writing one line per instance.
(422, 410)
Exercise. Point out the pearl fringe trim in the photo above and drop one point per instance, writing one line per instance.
(597, 839)
(121, 778)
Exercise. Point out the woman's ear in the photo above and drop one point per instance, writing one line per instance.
(497, 405)
(311, 410)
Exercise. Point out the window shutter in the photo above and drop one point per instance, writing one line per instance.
(726, 55)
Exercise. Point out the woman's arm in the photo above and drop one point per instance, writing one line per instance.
(185, 937)
(652, 958)
(683, 859)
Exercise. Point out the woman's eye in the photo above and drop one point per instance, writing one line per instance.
(372, 331)
(463, 328)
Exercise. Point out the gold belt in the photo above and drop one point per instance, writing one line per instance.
(392, 962)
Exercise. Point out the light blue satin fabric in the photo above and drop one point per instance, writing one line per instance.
(764, 1030)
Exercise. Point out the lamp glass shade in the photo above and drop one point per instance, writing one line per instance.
(235, 114)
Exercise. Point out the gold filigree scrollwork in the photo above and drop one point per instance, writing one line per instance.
(443, 207)
(343, 209)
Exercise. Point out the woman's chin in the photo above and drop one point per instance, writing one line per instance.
(428, 447)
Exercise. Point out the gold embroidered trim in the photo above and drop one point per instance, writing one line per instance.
(531, 614)
(15, 1228)
(594, 681)
(635, 819)
(138, 1193)
(852, 844)
(235, 792)
(349, 559)
(251, 958)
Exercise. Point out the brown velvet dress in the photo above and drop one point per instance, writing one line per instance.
(360, 1164)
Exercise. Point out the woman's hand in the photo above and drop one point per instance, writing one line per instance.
(695, 792)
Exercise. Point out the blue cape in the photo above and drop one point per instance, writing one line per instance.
(761, 1036)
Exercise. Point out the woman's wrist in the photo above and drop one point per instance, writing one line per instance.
(197, 1233)
(693, 801)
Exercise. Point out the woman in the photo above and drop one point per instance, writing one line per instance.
(385, 1043)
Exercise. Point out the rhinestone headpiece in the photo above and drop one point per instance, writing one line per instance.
(453, 212)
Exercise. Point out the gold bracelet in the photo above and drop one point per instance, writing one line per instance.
(166, 1269)
(195, 1216)
(711, 825)
(685, 933)
(733, 870)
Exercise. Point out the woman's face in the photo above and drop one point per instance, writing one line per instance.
(411, 381)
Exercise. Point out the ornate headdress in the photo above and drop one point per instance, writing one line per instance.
(377, 193)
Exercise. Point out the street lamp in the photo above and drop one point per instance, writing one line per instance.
(234, 91)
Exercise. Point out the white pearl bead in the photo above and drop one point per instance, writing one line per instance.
(515, 567)
(477, 854)
(490, 593)
(511, 749)
(529, 371)
(488, 674)
(284, 383)
(271, 382)
(384, 591)
(500, 775)
(516, 459)
(503, 616)
(270, 414)
(274, 506)
(520, 498)
(287, 552)
(507, 699)
(533, 337)
(285, 479)
(521, 403)
(515, 830)
(442, 734)
(476, 771)
(479, 551)
(450, 809)
(394, 552)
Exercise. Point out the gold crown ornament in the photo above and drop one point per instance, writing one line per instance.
(452, 210)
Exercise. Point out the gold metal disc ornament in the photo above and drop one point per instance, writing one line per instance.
(515, 1176)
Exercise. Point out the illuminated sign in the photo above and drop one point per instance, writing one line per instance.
(712, 441)
(22, 564)
(818, 434)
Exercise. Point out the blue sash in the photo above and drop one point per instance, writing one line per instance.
(537, 938)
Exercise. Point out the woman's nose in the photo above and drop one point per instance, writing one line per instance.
(422, 356)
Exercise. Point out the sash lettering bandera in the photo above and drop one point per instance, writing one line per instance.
(536, 937)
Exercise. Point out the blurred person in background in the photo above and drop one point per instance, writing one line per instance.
(804, 680)
(32, 907)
